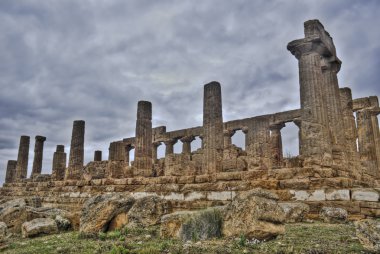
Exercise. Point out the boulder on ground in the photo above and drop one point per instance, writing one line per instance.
(295, 212)
(39, 226)
(368, 232)
(3, 230)
(98, 211)
(14, 213)
(193, 225)
(333, 214)
(254, 214)
(148, 211)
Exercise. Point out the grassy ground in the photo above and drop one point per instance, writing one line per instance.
(312, 238)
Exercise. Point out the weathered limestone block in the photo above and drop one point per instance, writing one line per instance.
(338, 195)
(98, 211)
(143, 145)
(38, 155)
(11, 171)
(22, 158)
(368, 232)
(116, 169)
(148, 211)
(365, 195)
(303, 195)
(179, 165)
(212, 128)
(254, 214)
(333, 214)
(294, 212)
(76, 157)
(96, 169)
(171, 223)
(59, 164)
(39, 226)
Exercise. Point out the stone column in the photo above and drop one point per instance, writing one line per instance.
(186, 144)
(227, 134)
(143, 149)
(276, 145)
(11, 171)
(245, 131)
(154, 151)
(374, 102)
(98, 155)
(59, 163)
(349, 128)
(315, 134)
(367, 146)
(116, 151)
(169, 146)
(38, 155)
(201, 138)
(76, 151)
(297, 122)
(212, 128)
(22, 158)
(127, 148)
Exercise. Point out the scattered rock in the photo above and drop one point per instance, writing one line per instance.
(333, 214)
(39, 226)
(368, 232)
(3, 230)
(148, 211)
(294, 212)
(254, 214)
(63, 224)
(98, 211)
(171, 223)
(13, 213)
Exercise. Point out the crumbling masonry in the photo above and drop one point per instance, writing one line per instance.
(338, 165)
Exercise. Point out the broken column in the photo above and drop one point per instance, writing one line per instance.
(38, 155)
(22, 158)
(116, 151)
(76, 151)
(59, 163)
(316, 140)
(116, 157)
(276, 145)
(212, 128)
(11, 171)
(186, 144)
(143, 140)
(98, 155)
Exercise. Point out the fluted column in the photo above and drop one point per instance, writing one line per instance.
(143, 150)
(276, 144)
(59, 163)
(38, 155)
(376, 134)
(316, 140)
(116, 151)
(154, 151)
(98, 155)
(169, 146)
(127, 148)
(349, 127)
(186, 144)
(11, 171)
(212, 128)
(367, 146)
(22, 158)
(227, 135)
(245, 130)
(76, 151)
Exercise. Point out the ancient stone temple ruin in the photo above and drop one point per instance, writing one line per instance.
(338, 165)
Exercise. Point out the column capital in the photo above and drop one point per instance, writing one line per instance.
(129, 147)
(312, 44)
(157, 143)
(297, 122)
(40, 138)
(171, 141)
(228, 132)
(276, 126)
(245, 130)
(189, 138)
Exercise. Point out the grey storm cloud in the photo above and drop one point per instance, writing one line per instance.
(93, 60)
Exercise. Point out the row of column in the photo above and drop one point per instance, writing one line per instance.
(18, 169)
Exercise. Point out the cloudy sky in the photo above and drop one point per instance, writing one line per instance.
(93, 60)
